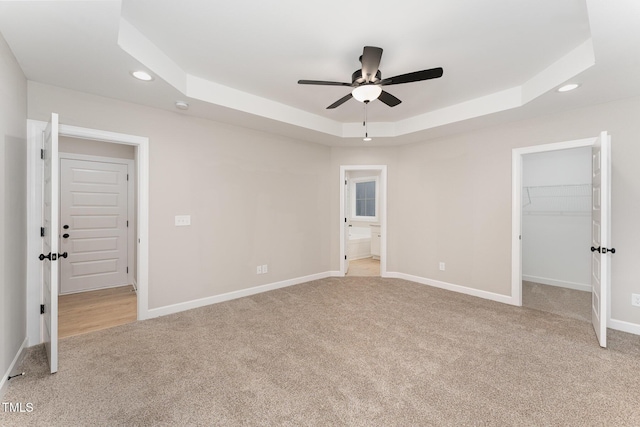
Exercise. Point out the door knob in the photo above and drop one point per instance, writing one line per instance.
(66, 227)
(65, 235)
(595, 249)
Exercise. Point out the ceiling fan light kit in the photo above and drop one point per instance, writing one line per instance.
(366, 93)
(367, 82)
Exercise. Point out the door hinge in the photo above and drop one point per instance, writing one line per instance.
(345, 182)
(41, 308)
(345, 220)
(345, 257)
(41, 231)
(127, 177)
(127, 270)
(42, 153)
(127, 223)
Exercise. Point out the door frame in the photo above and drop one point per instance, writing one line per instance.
(516, 209)
(34, 209)
(130, 201)
(382, 169)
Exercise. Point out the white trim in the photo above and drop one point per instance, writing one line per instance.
(361, 257)
(516, 205)
(130, 163)
(102, 135)
(506, 299)
(383, 213)
(34, 207)
(98, 289)
(558, 283)
(4, 381)
(621, 325)
(188, 305)
(34, 221)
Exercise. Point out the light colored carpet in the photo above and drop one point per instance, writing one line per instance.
(553, 299)
(339, 351)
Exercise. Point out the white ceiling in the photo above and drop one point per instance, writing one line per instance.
(240, 61)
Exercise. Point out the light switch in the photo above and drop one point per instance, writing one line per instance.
(182, 220)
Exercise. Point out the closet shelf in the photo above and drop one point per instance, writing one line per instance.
(557, 200)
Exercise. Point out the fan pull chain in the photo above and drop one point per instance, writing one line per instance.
(365, 123)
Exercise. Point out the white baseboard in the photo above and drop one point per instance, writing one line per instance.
(558, 283)
(79, 291)
(506, 299)
(188, 305)
(4, 382)
(335, 274)
(621, 325)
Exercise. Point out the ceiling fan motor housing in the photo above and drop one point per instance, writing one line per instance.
(358, 79)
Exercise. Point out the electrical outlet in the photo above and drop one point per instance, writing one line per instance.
(259, 269)
(183, 220)
(265, 268)
(441, 266)
(635, 300)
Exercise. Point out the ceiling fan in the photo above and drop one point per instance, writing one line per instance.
(367, 82)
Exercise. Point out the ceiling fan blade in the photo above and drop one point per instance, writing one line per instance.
(340, 101)
(389, 99)
(370, 62)
(322, 83)
(416, 76)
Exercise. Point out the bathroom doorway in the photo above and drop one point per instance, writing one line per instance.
(363, 226)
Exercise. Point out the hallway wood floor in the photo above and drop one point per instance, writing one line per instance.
(364, 267)
(96, 310)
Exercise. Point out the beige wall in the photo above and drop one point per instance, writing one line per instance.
(254, 198)
(13, 207)
(450, 199)
(362, 156)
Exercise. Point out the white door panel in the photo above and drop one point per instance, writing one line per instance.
(50, 242)
(94, 206)
(600, 236)
(346, 229)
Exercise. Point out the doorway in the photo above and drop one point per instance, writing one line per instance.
(556, 232)
(363, 220)
(140, 146)
(600, 225)
(97, 226)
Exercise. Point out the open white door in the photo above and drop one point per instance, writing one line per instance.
(600, 236)
(49, 255)
(346, 228)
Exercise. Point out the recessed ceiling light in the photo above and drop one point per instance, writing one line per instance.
(568, 87)
(142, 75)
